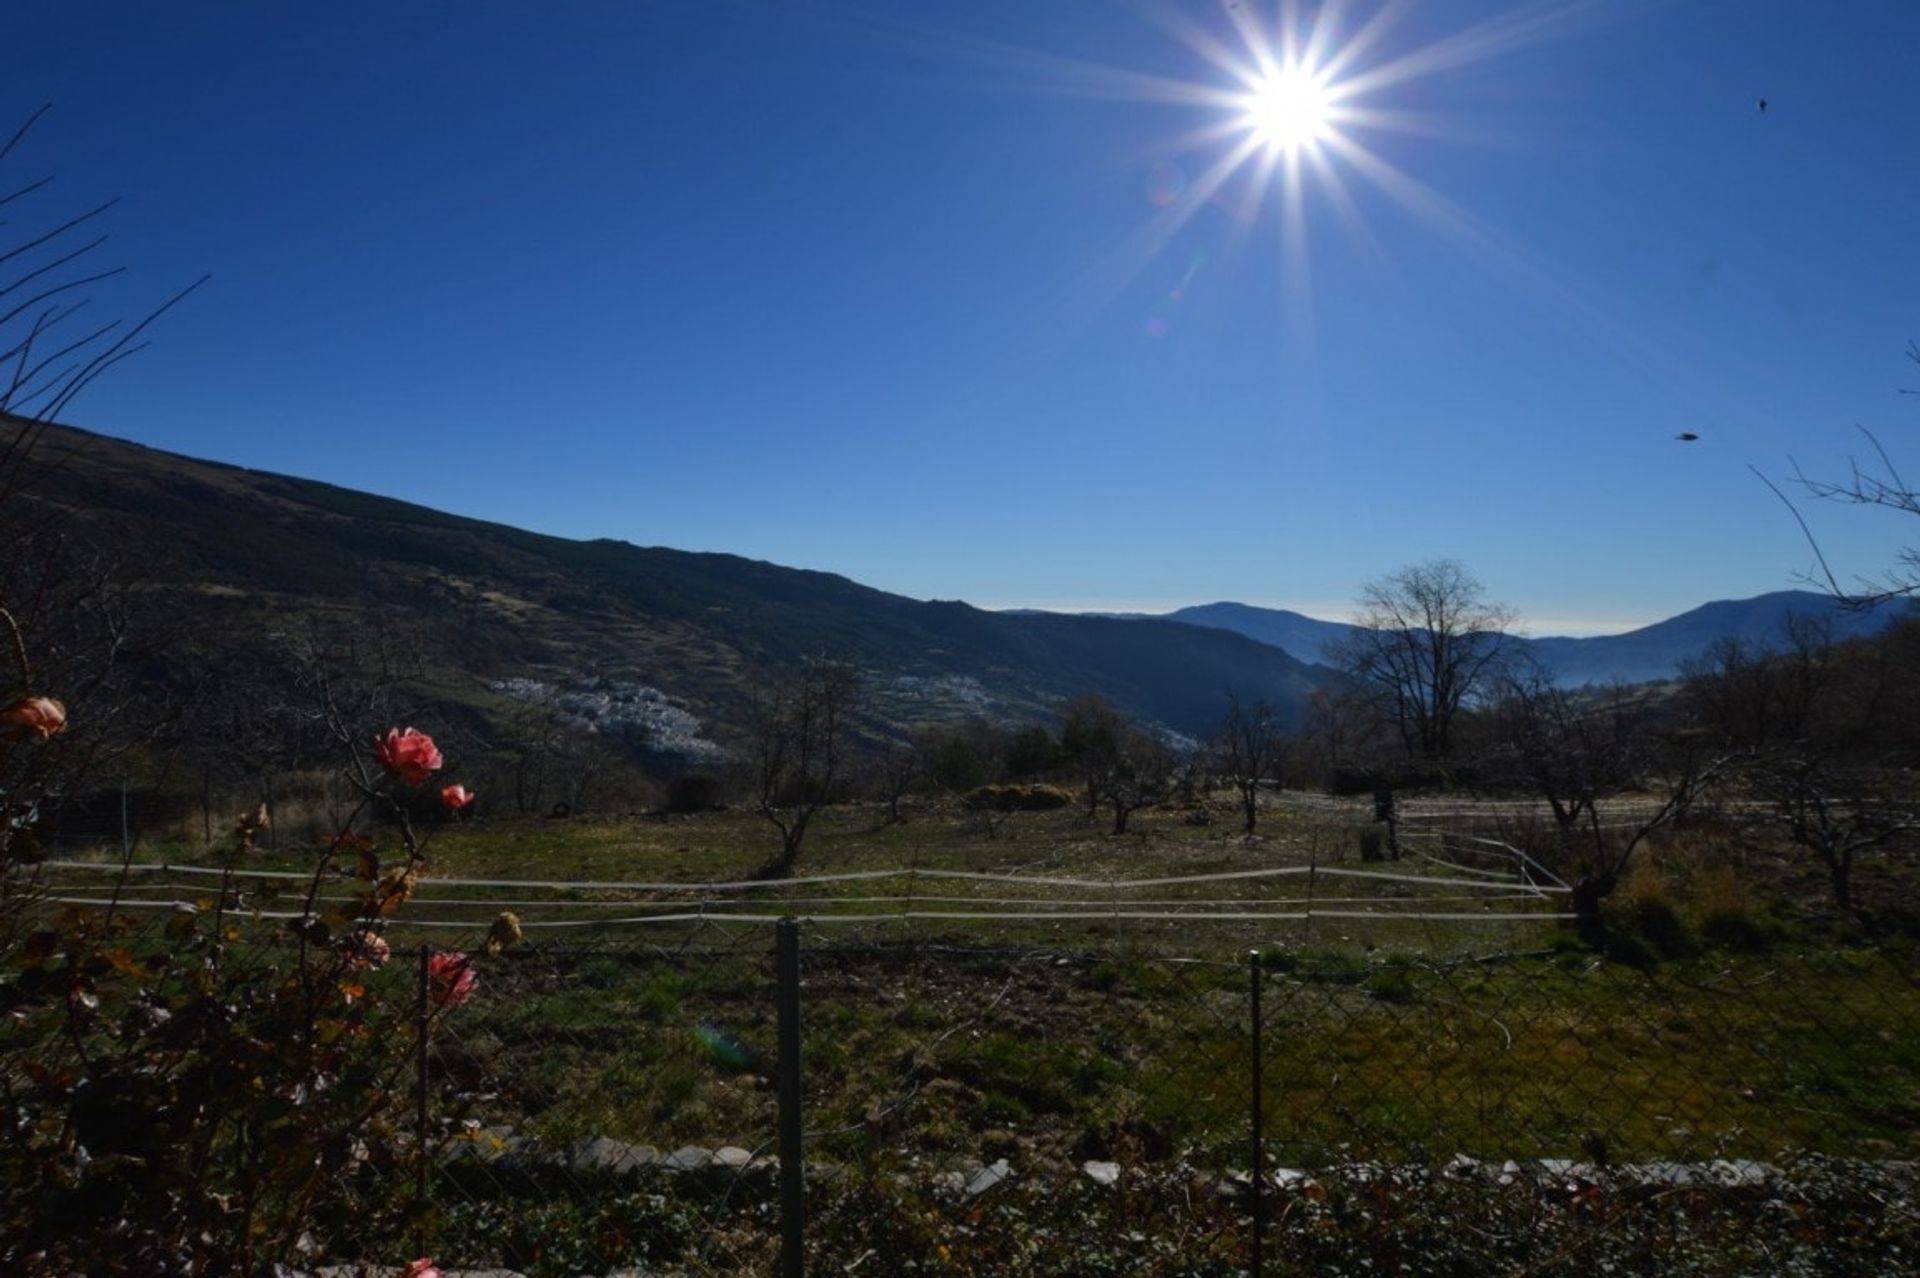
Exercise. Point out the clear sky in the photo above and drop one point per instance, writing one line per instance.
(938, 296)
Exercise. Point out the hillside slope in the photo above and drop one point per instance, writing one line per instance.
(238, 549)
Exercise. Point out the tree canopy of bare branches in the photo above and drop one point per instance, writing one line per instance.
(1571, 747)
(47, 355)
(1876, 482)
(1249, 746)
(1427, 641)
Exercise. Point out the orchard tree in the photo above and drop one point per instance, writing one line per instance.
(1811, 723)
(1249, 746)
(1140, 772)
(800, 750)
(1091, 729)
(1426, 643)
(1570, 747)
(1832, 809)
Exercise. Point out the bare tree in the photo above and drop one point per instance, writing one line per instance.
(46, 359)
(1139, 773)
(800, 750)
(1338, 729)
(1572, 748)
(1684, 770)
(1091, 728)
(64, 605)
(1755, 694)
(1835, 811)
(1249, 745)
(1808, 719)
(893, 773)
(1426, 643)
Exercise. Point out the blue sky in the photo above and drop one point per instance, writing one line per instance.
(896, 290)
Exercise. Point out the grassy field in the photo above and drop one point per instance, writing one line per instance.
(939, 1045)
(562, 876)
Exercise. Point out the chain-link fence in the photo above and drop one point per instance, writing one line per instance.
(973, 1108)
(1431, 1082)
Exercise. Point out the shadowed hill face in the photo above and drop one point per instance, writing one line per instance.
(243, 548)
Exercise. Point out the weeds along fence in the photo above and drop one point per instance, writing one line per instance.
(1064, 1076)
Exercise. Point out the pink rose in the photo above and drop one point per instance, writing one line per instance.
(367, 949)
(43, 715)
(421, 1268)
(450, 979)
(410, 755)
(456, 797)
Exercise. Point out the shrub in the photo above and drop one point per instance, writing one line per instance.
(1650, 913)
(1662, 927)
(1017, 798)
(1725, 917)
(1392, 982)
(692, 792)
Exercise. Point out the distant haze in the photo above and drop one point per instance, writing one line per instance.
(1319, 610)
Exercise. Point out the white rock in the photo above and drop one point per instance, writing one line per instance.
(987, 1177)
(688, 1158)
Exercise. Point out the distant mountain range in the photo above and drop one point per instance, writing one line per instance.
(664, 645)
(1637, 656)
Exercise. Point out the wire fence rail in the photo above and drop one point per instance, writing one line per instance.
(1450, 879)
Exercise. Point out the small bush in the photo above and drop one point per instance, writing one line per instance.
(1648, 882)
(1392, 982)
(1740, 932)
(1002, 1108)
(1331, 967)
(1651, 916)
(1725, 917)
(1663, 928)
(1017, 798)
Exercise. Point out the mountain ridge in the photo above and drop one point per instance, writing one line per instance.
(235, 547)
(1645, 654)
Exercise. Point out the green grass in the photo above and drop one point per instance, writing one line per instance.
(929, 1044)
(1377, 1034)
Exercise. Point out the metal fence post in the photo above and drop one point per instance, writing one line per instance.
(793, 1208)
(1259, 1175)
(423, 1012)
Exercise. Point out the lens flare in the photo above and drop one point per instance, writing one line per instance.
(1289, 109)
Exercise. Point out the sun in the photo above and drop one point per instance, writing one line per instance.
(1293, 101)
(1289, 109)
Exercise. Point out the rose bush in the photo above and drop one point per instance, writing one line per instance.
(220, 1094)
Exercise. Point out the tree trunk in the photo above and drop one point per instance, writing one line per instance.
(1588, 894)
(1840, 874)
